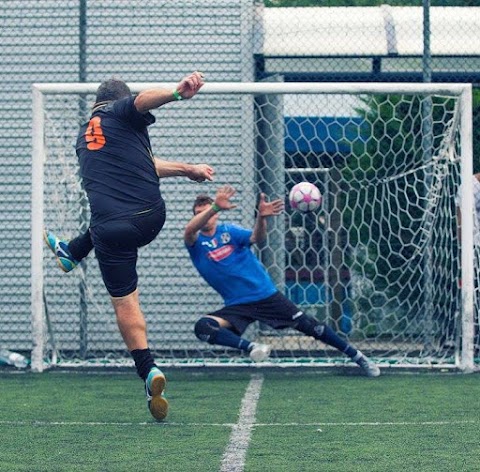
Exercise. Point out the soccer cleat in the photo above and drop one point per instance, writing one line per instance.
(368, 367)
(154, 387)
(259, 352)
(59, 247)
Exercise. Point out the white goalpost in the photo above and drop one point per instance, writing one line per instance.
(382, 261)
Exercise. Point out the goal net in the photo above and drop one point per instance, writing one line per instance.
(382, 261)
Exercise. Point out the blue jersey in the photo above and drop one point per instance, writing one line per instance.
(116, 162)
(228, 265)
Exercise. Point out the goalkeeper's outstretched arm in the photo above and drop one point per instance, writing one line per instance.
(205, 218)
(265, 209)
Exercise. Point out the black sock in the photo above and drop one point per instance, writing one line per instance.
(333, 339)
(80, 246)
(143, 362)
(312, 327)
(208, 329)
(228, 338)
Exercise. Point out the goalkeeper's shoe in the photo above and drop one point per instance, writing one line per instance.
(368, 367)
(59, 247)
(259, 352)
(154, 387)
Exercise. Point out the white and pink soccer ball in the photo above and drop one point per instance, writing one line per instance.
(305, 197)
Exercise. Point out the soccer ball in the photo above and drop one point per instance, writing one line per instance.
(305, 197)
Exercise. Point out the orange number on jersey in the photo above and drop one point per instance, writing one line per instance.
(94, 135)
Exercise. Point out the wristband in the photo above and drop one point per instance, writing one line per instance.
(176, 95)
(215, 207)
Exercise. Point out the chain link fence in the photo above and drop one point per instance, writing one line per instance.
(230, 41)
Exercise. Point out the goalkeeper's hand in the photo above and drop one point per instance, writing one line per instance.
(272, 208)
(223, 196)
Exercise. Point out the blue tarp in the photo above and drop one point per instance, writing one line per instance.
(322, 135)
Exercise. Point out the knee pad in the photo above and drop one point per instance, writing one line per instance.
(310, 326)
(206, 329)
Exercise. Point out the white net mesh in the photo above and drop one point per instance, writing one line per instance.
(379, 261)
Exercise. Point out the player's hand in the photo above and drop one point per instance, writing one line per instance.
(190, 85)
(200, 173)
(223, 196)
(272, 208)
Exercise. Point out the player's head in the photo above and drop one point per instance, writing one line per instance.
(112, 89)
(201, 203)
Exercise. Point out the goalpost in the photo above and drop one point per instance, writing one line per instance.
(382, 261)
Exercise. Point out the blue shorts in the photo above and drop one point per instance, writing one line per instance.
(276, 311)
(116, 244)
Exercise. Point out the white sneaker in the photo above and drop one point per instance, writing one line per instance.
(260, 352)
(368, 367)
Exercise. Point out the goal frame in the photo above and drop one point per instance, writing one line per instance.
(464, 360)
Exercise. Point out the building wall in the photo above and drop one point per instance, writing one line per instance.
(138, 42)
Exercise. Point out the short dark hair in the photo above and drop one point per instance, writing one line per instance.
(112, 89)
(202, 200)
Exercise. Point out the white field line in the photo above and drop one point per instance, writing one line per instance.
(234, 456)
(232, 425)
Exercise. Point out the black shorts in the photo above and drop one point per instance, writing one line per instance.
(276, 311)
(116, 245)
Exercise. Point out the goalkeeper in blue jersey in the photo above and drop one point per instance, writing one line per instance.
(222, 255)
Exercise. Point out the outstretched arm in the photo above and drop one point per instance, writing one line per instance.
(155, 98)
(196, 172)
(221, 202)
(265, 209)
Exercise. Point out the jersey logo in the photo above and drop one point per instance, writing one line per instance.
(225, 238)
(220, 253)
(211, 244)
(94, 134)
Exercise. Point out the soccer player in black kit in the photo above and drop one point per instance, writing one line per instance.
(121, 178)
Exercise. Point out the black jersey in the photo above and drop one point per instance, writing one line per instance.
(116, 161)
